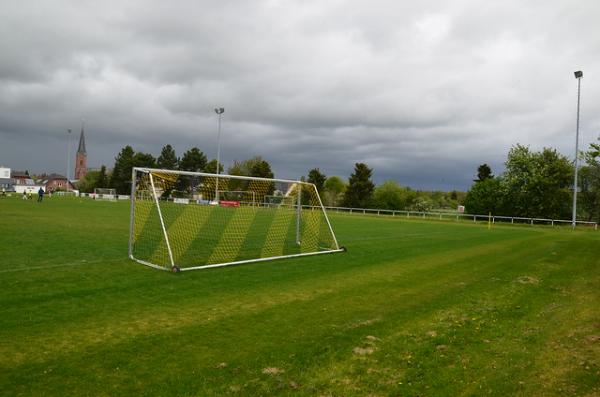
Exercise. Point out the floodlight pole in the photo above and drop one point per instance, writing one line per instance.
(578, 76)
(68, 157)
(218, 111)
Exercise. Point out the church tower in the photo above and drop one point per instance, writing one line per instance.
(81, 158)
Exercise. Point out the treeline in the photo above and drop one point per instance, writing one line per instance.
(538, 184)
(192, 160)
(358, 191)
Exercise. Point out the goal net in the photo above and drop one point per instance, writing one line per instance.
(191, 220)
(105, 194)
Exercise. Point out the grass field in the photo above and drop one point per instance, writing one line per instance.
(413, 308)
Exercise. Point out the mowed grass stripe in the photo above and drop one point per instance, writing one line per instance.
(460, 337)
(207, 238)
(205, 310)
(310, 230)
(184, 229)
(399, 281)
(428, 292)
(234, 235)
(275, 242)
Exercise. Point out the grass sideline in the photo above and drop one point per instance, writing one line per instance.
(413, 308)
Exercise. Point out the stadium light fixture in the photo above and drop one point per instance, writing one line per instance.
(578, 76)
(220, 112)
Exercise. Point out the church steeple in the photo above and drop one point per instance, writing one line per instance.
(81, 158)
(81, 142)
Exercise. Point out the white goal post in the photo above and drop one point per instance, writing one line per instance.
(184, 220)
(105, 194)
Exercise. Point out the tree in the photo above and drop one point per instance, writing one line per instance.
(255, 166)
(193, 160)
(144, 160)
(536, 184)
(121, 175)
(334, 189)
(244, 168)
(316, 177)
(211, 167)
(89, 182)
(484, 197)
(261, 169)
(483, 172)
(391, 196)
(102, 177)
(167, 159)
(360, 187)
(589, 182)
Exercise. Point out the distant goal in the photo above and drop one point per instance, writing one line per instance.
(105, 194)
(191, 220)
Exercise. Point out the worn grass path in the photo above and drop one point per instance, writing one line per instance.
(413, 308)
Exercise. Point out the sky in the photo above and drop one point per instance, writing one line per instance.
(423, 92)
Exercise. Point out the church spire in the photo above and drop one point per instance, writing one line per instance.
(81, 158)
(81, 141)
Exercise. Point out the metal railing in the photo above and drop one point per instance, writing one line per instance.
(458, 216)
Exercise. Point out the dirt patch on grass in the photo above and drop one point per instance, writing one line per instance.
(272, 371)
(592, 338)
(365, 323)
(528, 280)
(363, 351)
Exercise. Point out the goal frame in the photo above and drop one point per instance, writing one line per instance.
(173, 267)
(100, 196)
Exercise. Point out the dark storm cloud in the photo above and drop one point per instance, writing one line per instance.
(423, 92)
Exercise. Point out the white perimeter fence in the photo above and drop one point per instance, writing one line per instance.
(432, 215)
(458, 217)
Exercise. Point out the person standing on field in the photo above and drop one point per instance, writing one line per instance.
(24, 194)
(40, 195)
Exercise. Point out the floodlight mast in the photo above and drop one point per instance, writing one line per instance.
(578, 76)
(218, 111)
(68, 157)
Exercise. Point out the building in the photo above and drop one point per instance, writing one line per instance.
(6, 182)
(23, 182)
(55, 182)
(81, 158)
(21, 178)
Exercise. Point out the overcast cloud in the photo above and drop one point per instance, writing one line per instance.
(423, 92)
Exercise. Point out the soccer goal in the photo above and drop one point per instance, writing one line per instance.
(190, 220)
(105, 194)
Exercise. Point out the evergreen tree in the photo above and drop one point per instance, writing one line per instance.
(316, 177)
(144, 160)
(360, 187)
(167, 159)
(261, 169)
(483, 172)
(193, 160)
(211, 167)
(102, 177)
(121, 175)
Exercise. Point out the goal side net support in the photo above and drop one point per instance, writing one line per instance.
(191, 220)
(105, 194)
